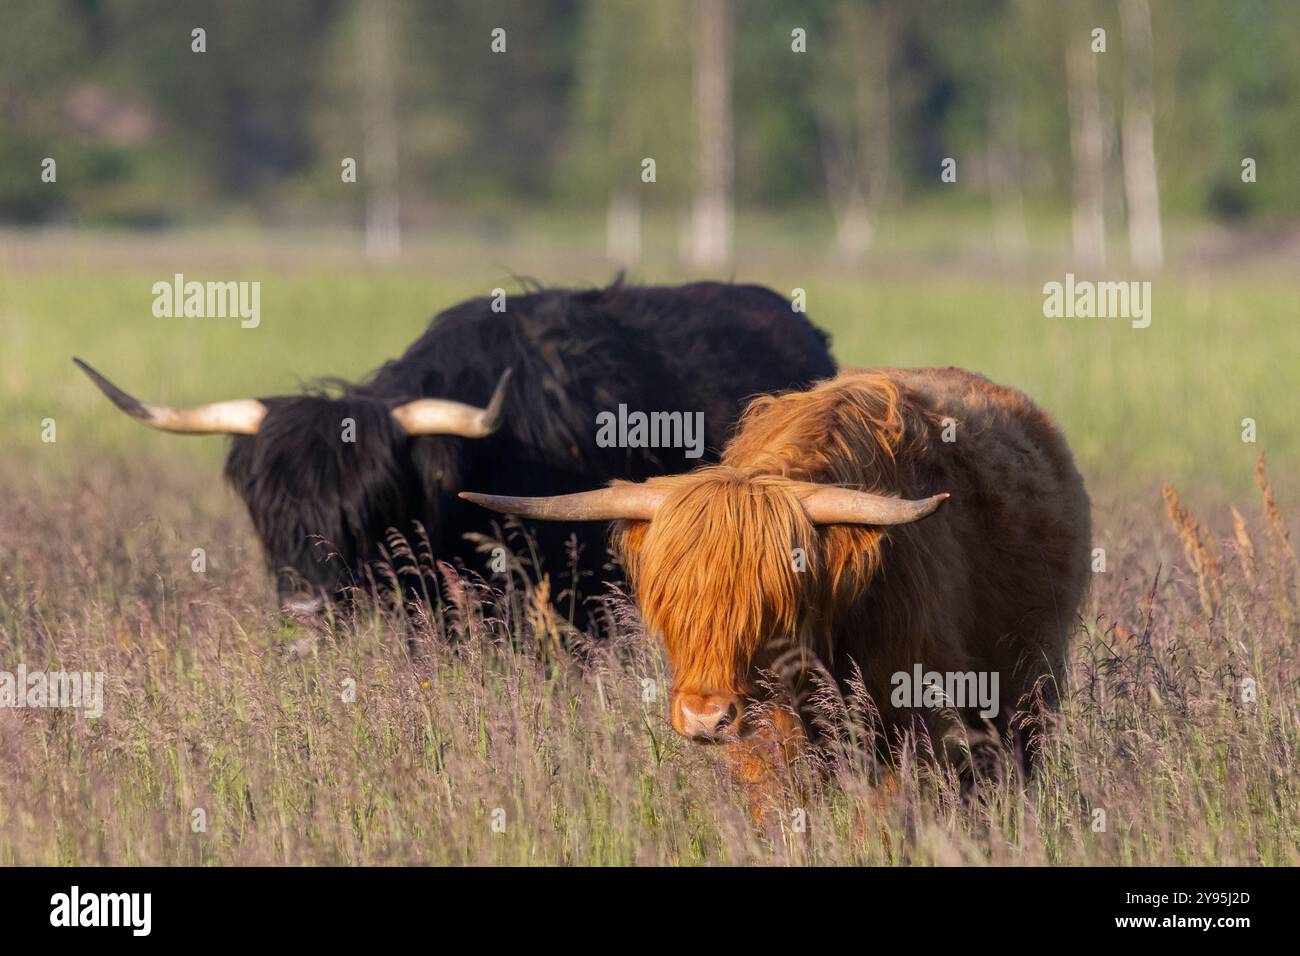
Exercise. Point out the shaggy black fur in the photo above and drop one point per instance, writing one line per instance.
(323, 506)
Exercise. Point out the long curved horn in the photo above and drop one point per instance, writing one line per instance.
(830, 505)
(628, 502)
(238, 417)
(824, 505)
(440, 416)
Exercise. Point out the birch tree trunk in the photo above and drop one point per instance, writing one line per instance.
(1006, 193)
(379, 97)
(854, 125)
(1087, 147)
(1141, 189)
(623, 227)
(711, 214)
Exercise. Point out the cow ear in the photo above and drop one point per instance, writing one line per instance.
(626, 539)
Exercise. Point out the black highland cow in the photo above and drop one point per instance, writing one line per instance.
(503, 403)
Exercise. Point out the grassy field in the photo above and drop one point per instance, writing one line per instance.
(1140, 406)
(471, 739)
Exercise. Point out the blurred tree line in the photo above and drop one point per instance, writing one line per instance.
(846, 105)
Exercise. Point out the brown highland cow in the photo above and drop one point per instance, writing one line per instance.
(821, 532)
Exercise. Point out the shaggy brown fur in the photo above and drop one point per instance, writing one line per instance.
(991, 582)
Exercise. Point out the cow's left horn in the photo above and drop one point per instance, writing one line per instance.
(845, 506)
(238, 417)
(440, 416)
(623, 501)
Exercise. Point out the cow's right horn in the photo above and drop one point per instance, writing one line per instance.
(441, 416)
(238, 417)
(623, 501)
(832, 505)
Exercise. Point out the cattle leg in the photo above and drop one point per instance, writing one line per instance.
(764, 762)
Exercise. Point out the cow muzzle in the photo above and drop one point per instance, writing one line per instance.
(706, 718)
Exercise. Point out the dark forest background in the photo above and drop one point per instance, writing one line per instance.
(148, 133)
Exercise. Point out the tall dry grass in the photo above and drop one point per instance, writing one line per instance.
(485, 731)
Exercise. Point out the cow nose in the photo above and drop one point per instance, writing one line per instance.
(705, 717)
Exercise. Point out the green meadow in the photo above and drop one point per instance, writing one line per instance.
(474, 740)
(1140, 406)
